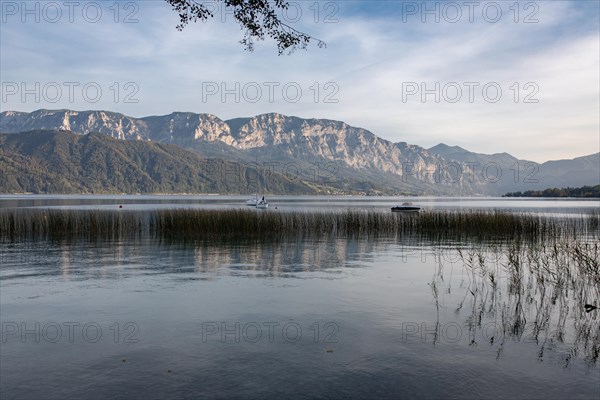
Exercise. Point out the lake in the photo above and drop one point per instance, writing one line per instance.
(328, 318)
(148, 202)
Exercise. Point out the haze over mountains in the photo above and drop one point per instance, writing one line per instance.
(292, 155)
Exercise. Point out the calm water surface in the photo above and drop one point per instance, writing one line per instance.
(341, 318)
(550, 205)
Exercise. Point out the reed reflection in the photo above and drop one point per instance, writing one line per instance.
(526, 292)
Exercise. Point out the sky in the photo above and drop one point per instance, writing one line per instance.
(505, 76)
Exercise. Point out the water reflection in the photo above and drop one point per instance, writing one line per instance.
(414, 317)
(497, 290)
(534, 293)
(114, 260)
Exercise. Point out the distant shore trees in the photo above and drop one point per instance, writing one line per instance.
(584, 191)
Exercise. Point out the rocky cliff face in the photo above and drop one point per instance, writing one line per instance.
(331, 140)
(109, 123)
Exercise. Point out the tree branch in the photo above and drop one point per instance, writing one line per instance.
(257, 17)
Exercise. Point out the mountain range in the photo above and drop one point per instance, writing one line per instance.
(63, 162)
(289, 154)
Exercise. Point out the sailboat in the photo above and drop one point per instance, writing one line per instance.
(262, 204)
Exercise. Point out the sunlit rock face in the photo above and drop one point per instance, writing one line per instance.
(109, 123)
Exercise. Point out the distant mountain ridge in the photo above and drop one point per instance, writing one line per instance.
(63, 162)
(327, 152)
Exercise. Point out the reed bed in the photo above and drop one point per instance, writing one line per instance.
(533, 291)
(246, 224)
(49, 224)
